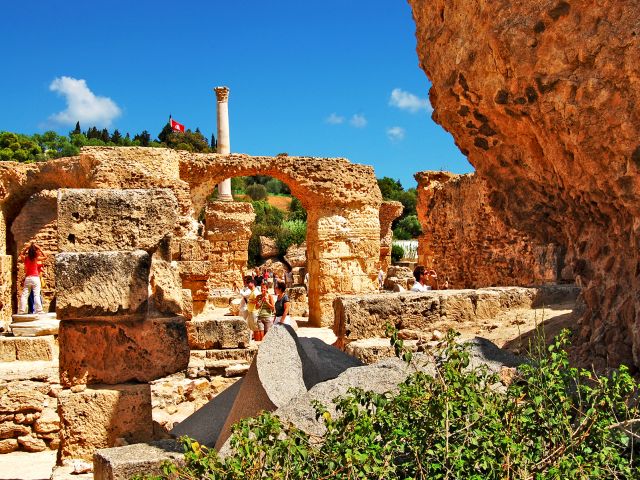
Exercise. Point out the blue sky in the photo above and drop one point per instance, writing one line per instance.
(331, 78)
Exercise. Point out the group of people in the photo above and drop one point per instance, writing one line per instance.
(270, 277)
(259, 308)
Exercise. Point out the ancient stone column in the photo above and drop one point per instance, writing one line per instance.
(224, 147)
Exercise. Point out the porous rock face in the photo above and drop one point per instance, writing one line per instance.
(469, 245)
(542, 96)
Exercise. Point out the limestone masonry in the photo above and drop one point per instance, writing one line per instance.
(469, 244)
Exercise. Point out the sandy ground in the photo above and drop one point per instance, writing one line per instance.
(27, 466)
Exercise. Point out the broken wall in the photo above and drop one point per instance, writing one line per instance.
(465, 241)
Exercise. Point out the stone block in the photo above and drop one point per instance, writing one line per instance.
(99, 415)
(372, 350)
(296, 256)
(92, 220)
(26, 349)
(195, 269)
(122, 463)
(102, 351)
(268, 247)
(166, 288)
(194, 249)
(285, 367)
(9, 445)
(102, 284)
(44, 326)
(365, 316)
(21, 397)
(13, 430)
(206, 333)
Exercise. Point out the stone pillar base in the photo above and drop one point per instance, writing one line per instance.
(99, 416)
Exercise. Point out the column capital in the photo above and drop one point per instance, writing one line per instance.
(222, 93)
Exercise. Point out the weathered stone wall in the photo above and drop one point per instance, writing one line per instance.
(118, 300)
(389, 211)
(466, 242)
(343, 227)
(37, 222)
(342, 199)
(542, 96)
(366, 316)
(6, 267)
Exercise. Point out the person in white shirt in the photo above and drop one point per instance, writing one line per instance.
(380, 279)
(423, 278)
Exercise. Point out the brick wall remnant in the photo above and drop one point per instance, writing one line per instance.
(468, 243)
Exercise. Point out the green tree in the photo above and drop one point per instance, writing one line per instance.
(116, 137)
(256, 191)
(389, 188)
(144, 138)
(407, 228)
(77, 130)
(165, 132)
(296, 210)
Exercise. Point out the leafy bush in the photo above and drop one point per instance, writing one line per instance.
(409, 225)
(292, 232)
(296, 210)
(553, 422)
(267, 214)
(397, 253)
(274, 186)
(256, 192)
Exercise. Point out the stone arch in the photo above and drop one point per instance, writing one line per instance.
(342, 200)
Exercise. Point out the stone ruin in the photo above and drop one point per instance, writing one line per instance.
(542, 97)
(133, 284)
(466, 241)
(343, 239)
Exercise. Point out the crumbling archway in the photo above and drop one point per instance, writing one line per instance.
(342, 200)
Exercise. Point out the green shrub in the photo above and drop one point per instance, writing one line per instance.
(266, 214)
(397, 253)
(256, 192)
(296, 210)
(292, 232)
(274, 186)
(410, 225)
(553, 422)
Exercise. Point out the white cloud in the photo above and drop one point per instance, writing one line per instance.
(334, 119)
(358, 120)
(395, 134)
(82, 104)
(408, 101)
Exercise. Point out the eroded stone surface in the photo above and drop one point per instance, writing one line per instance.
(468, 244)
(26, 349)
(546, 109)
(102, 284)
(206, 333)
(91, 220)
(97, 416)
(358, 317)
(111, 352)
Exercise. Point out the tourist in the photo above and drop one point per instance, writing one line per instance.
(380, 279)
(265, 308)
(248, 304)
(288, 276)
(282, 305)
(423, 279)
(32, 256)
(257, 277)
(306, 282)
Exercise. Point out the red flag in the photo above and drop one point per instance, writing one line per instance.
(175, 126)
